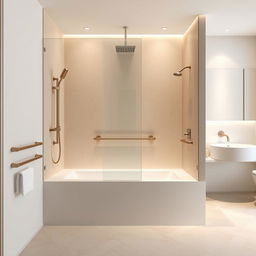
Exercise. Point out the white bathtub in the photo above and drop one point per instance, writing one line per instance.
(122, 175)
(124, 197)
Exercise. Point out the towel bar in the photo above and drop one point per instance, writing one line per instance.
(16, 149)
(150, 137)
(16, 165)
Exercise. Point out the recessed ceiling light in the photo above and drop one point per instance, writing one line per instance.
(227, 30)
(86, 28)
(164, 28)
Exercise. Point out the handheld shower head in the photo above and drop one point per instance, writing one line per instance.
(179, 73)
(62, 76)
(57, 127)
(63, 73)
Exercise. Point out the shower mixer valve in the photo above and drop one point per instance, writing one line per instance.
(188, 133)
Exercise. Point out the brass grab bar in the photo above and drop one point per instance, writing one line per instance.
(186, 141)
(150, 137)
(16, 165)
(16, 149)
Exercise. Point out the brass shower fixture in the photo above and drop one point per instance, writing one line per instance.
(223, 134)
(57, 127)
(179, 73)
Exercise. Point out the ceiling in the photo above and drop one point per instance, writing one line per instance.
(149, 16)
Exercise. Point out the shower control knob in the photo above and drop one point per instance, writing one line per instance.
(188, 133)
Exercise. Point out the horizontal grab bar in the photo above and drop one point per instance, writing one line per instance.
(16, 165)
(16, 149)
(187, 141)
(150, 137)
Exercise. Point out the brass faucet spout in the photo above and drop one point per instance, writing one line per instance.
(223, 134)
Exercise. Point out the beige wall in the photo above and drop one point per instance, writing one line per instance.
(190, 88)
(132, 95)
(53, 65)
(161, 102)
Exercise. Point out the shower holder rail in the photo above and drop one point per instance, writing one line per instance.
(150, 138)
(16, 149)
(16, 165)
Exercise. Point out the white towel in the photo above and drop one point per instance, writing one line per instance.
(26, 181)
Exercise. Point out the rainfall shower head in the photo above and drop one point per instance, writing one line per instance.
(125, 48)
(179, 73)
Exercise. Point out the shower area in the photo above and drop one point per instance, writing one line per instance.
(122, 128)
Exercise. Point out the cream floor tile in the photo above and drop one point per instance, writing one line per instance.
(230, 230)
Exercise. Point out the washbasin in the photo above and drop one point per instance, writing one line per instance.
(233, 152)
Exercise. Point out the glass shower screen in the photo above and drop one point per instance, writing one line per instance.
(121, 133)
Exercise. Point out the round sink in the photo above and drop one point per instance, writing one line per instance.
(233, 152)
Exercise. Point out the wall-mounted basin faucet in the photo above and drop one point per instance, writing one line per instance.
(223, 134)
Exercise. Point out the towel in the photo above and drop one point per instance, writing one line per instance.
(26, 180)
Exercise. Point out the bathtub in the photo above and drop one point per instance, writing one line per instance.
(121, 175)
(124, 197)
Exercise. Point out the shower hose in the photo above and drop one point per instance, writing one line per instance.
(59, 151)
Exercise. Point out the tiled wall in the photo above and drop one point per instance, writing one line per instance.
(123, 95)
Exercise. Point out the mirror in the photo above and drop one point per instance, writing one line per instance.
(250, 94)
(230, 94)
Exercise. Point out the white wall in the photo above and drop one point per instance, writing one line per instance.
(230, 52)
(53, 66)
(22, 118)
(228, 176)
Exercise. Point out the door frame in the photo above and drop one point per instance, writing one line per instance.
(1, 130)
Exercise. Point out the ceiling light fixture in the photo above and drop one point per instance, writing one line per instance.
(227, 30)
(86, 28)
(164, 28)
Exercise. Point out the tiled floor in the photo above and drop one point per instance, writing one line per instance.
(230, 231)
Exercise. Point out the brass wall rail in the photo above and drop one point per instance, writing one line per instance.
(150, 137)
(16, 165)
(16, 149)
(186, 141)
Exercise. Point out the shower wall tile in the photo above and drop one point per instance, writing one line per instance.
(162, 102)
(122, 95)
